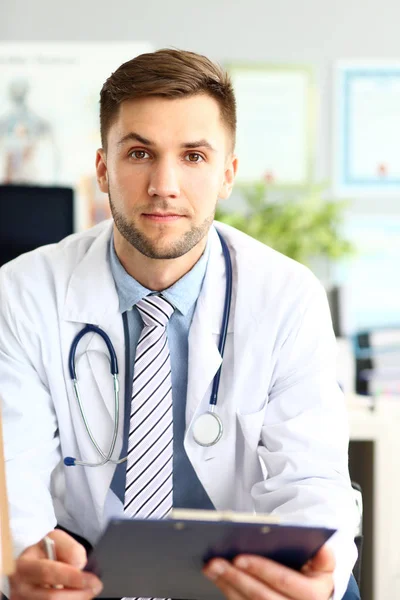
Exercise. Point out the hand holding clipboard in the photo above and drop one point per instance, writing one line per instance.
(165, 558)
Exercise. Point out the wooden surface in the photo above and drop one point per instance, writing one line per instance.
(375, 465)
(6, 558)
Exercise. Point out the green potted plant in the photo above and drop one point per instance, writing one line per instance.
(300, 223)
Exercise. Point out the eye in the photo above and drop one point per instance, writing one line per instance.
(194, 157)
(138, 154)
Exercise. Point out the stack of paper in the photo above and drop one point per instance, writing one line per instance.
(380, 360)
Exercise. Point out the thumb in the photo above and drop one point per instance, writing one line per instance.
(68, 550)
(322, 562)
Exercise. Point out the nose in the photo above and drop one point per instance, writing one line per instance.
(164, 180)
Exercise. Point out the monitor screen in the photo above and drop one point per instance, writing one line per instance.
(31, 216)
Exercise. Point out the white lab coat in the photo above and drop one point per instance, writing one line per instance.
(278, 385)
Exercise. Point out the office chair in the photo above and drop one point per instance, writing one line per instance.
(358, 539)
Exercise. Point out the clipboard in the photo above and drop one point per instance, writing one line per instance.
(164, 558)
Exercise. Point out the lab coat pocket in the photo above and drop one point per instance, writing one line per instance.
(251, 425)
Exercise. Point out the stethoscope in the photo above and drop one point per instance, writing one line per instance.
(207, 429)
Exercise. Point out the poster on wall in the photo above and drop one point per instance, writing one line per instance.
(275, 123)
(49, 116)
(367, 129)
(372, 290)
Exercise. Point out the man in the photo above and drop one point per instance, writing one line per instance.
(168, 133)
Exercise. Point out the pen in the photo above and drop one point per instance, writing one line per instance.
(50, 549)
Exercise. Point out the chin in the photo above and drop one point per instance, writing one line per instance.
(171, 248)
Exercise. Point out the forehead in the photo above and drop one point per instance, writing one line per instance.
(164, 120)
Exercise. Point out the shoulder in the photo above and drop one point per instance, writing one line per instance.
(60, 257)
(41, 275)
(271, 290)
(266, 267)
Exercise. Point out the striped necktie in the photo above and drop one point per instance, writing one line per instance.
(148, 488)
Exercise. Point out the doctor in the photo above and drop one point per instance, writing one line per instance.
(154, 280)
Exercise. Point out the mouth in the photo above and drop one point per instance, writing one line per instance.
(162, 217)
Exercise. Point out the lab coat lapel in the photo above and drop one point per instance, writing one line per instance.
(92, 298)
(204, 357)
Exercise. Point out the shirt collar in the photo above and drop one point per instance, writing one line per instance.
(182, 294)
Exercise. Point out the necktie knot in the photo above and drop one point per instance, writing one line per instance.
(155, 310)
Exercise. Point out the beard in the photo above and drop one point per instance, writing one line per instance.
(151, 248)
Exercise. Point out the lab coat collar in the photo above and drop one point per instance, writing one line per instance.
(91, 295)
(92, 298)
(210, 304)
(182, 294)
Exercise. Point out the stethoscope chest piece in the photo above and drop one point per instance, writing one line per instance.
(207, 429)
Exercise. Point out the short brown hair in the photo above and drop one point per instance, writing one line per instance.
(168, 73)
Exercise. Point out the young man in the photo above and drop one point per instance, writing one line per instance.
(154, 281)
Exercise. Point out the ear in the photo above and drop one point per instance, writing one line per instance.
(101, 170)
(229, 177)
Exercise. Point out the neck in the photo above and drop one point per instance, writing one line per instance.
(153, 273)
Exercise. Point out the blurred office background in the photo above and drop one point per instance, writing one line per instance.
(339, 64)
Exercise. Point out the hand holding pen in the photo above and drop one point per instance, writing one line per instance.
(52, 570)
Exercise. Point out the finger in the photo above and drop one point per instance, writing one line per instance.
(286, 581)
(49, 572)
(212, 571)
(67, 549)
(29, 592)
(228, 591)
(323, 561)
(235, 584)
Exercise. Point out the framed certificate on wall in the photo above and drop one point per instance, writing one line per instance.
(367, 129)
(276, 123)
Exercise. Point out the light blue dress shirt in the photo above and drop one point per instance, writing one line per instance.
(187, 489)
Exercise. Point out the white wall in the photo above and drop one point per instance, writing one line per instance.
(311, 30)
(315, 32)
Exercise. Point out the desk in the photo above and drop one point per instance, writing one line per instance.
(375, 464)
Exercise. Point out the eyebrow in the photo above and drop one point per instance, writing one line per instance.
(136, 137)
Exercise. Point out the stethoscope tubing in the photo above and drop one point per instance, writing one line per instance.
(225, 320)
(77, 339)
(70, 461)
